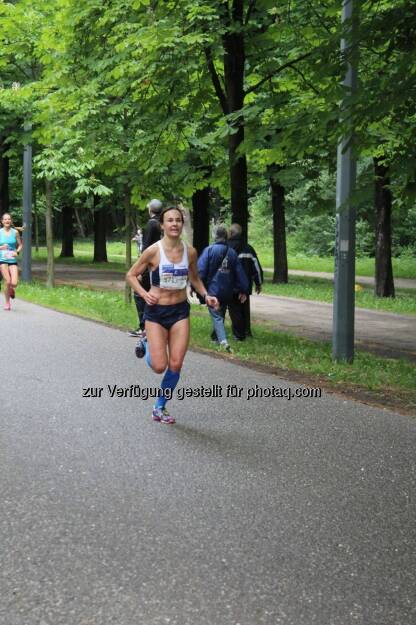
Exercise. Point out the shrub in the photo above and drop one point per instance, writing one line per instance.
(316, 236)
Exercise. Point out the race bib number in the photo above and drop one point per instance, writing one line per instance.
(173, 277)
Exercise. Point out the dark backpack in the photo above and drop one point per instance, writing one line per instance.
(222, 284)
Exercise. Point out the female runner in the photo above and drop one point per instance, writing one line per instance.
(170, 263)
(10, 246)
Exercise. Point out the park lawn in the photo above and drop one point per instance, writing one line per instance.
(386, 376)
(319, 289)
(404, 267)
(83, 255)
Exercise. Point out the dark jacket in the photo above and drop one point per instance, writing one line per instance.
(210, 261)
(151, 233)
(249, 260)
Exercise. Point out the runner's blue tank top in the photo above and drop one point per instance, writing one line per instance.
(11, 241)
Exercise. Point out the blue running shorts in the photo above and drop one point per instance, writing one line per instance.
(167, 315)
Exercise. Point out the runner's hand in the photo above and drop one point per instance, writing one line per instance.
(242, 297)
(212, 302)
(151, 299)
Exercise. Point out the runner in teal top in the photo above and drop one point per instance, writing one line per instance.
(10, 246)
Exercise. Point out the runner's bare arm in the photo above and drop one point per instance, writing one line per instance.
(146, 261)
(19, 243)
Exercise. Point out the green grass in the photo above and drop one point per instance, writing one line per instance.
(402, 267)
(322, 290)
(84, 253)
(271, 348)
(107, 306)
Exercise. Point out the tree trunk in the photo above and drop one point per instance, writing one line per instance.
(238, 181)
(36, 220)
(4, 179)
(79, 222)
(280, 273)
(234, 61)
(67, 250)
(100, 244)
(200, 215)
(127, 219)
(384, 283)
(50, 265)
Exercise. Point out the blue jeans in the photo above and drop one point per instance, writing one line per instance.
(217, 317)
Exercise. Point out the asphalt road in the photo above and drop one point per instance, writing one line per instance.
(249, 512)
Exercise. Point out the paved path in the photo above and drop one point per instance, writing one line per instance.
(380, 332)
(400, 283)
(260, 512)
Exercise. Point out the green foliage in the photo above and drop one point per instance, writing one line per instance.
(122, 101)
(259, 225)
(383, 110)
(404, 231)
(316, 235)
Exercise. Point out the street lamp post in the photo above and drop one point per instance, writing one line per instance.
(344, 278)
(27, 209)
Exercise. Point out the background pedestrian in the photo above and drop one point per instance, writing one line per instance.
(151, 234)
(240, 311)
(223, 275)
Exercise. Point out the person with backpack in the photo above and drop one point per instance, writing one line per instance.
(223, 276)
(240, 311)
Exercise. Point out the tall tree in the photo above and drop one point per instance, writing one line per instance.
(280, 273)
(384, 284)
(384, 116)
(100, 231)
(67, 250)
(50, 265)
(200, 212)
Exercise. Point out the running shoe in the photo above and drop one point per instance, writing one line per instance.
(140, 348)
(7, 307)
(137, 333)
(225, 347)
(162, 415)
(12, 292)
